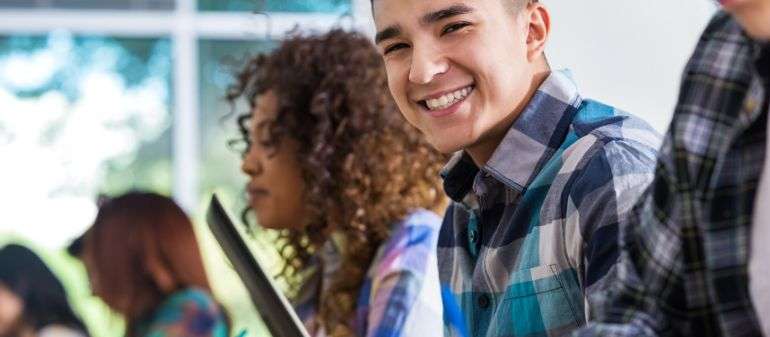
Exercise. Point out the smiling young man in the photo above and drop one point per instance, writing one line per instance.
(541, 176)
(695, 258)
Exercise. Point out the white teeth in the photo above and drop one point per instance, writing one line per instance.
(446, 100)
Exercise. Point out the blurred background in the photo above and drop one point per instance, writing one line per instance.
(105, 96)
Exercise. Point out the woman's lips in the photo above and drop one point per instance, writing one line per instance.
(256, 193)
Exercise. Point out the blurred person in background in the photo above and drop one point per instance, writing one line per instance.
(33, 302)
(144, 262)
(351, 187)
(694, 254)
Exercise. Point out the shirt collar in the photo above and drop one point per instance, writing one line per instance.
(529, 143)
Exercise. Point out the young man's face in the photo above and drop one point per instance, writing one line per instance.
(459, 70)
(753, 15)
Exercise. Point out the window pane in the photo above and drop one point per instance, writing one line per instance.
(220, 167)
(327, 6)
(78, 116)
(89, 4)
(219, 61)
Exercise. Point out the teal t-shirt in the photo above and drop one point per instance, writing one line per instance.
(190, 312)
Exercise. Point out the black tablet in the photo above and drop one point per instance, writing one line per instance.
(273, 307)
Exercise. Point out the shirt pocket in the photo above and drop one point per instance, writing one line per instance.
(537, 303)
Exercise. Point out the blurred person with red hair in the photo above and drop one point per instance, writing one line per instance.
(143, 260)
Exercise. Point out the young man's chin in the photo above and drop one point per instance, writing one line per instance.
(447, 146)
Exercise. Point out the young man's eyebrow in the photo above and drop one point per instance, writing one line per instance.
(387, 33)
(432, 17)
(442, 14)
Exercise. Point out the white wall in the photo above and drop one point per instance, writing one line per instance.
(628, 53)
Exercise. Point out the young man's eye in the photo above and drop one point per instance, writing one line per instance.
(454, 27)
(394, 47)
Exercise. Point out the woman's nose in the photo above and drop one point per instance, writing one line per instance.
(252, 165)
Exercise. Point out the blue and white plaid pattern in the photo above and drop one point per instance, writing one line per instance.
(400, 295)
(535, 229)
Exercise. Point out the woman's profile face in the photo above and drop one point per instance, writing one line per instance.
(11, 307)
(276, 187)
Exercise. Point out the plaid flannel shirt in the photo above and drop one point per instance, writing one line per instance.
(400, 295)
(684, 251)
(534, 231)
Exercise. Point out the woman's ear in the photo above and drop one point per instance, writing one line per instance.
(539, 29)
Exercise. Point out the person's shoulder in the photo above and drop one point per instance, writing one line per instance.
(723, 27)
(724, 53)
(192, 303)
(605, 133)
(606, 124)
(421, 218)
(188, 312)
(419, 227)
(613, 156)
(411, 243)
(57, 330)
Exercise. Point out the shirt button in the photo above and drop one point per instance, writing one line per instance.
(473, 236)
(483, 301)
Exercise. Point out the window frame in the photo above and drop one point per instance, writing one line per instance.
(185, 26)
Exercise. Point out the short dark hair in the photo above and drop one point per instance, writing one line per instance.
(516, 5)
(45, 300)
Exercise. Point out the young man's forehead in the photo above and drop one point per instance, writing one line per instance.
(415, 9)
(399, 10)
(507, 3)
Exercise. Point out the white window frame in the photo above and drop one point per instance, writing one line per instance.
(185, 26)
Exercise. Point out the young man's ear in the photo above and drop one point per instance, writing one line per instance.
(539, 29)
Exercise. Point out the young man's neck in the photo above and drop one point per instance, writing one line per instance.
(482, 150)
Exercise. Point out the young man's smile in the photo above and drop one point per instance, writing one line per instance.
(445, 102)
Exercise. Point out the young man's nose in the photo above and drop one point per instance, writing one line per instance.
(426, 65)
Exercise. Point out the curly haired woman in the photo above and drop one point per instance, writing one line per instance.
(348, 183)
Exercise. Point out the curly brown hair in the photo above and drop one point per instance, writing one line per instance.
(365, 167)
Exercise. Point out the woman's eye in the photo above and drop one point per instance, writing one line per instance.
(454, 27)
(264, 133)
(395, 47)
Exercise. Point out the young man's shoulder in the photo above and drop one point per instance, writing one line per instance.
(608, 123)
(601, 129)
(611, 151)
